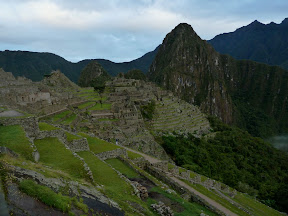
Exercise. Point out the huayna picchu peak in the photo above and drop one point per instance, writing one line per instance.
(245, 93)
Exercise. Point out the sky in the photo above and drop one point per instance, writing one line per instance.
(121, 30)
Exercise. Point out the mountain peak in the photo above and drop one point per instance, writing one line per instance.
(284, 22)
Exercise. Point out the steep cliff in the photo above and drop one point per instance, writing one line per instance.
(248, 94)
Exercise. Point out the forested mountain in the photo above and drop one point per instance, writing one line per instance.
(250, 95)
(257, 42)
(35, 65)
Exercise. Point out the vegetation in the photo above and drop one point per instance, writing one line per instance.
(133, 155)
(71, 137)
(118, 189)
(97, 145)
(14, 138)
(135, 74)
(237, 159)
(43, 126)
(50, 198)
(123, 168)
(61, 115)
(53, 153)
(147, 111)
(100, 106)
(84, 105)
(69, 120)
(186, 208)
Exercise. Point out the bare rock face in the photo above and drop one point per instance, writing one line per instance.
(162, 209)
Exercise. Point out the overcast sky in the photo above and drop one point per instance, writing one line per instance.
(121, 30)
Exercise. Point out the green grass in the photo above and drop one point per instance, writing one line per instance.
(189, 208)
(50, 198)
(14, 138)
(181, 170)
(107, 119)
(192, 175)
(46, 127)
(114, 186)
(255, 207)
(133, 155)
(97, 145)
(71, 137)
(82, 106)
(99, 107)
(54, 154)
(69, 120)
(123, 168)
(61, 115)
(217, 198)
(170, 166)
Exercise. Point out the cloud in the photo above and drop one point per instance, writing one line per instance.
(120, 30)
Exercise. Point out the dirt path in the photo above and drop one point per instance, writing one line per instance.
(210, 201)
(147, 157)
(186, 186)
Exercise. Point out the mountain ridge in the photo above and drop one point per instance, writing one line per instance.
(34, 65)
(256, 41)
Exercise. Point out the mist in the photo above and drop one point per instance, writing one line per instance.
(280, 142)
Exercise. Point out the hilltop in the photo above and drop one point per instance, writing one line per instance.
(82, 152)
(256, 41)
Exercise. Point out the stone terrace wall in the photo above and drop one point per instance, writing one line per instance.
(160, 174)
(29, 124)
(112, 154)
(78, 145)
(183, 173)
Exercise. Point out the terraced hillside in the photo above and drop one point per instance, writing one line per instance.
(172, 115)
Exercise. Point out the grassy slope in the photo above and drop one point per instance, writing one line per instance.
(53, 153)
(97, 145)
(123, 168)
(14, 138)
(115, 187)
(46, 127)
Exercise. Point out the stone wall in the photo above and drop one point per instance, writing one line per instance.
(78, 145)
(30, 124)
(159, 174)
(112, 154)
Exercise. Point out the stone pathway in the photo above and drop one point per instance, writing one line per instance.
(186, 186)
(147, 157)
(207, 199)
(10, 113)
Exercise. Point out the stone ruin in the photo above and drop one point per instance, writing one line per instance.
(36, 97)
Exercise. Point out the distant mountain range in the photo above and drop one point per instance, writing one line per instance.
(35, 65)
(257, 42)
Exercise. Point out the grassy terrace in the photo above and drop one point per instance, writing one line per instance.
(97, 145)
(46, 127)
(255, 207)
(71, 137)
(61, 115)
(115, 187)
(123, 168)
(98, 106)
(82, 106)
(184, 208)
(54, 154)
(50, 198)
(14, 138)
(133, 155)
(69, 120)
